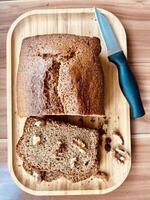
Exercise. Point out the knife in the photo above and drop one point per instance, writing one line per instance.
(127, 81)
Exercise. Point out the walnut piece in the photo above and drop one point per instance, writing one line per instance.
(72, 162)
(120, 154)
(117, 136)
(37, 176)
(58, 149)
(104, 127)
(36, 140)
(102, 175)
(86, 161)
(40, 123)
(80, 145)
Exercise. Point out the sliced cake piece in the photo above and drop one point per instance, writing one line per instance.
(55, 149)
(47, 176)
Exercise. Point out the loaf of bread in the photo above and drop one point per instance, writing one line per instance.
(60, 74)
(52, 149)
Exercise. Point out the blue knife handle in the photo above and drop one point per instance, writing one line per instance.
(128, 84)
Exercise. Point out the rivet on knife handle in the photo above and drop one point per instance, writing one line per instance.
(128, 84)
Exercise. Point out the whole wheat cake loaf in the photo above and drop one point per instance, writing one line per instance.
(60, 74)
(52, 149)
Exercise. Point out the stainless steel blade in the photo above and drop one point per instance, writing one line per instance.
(110, 39)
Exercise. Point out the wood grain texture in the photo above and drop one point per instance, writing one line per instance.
(141, 125)
(134, 15)
(136, 186)
(3, 152)
(136, 23)
(78, 22)
(3, 126)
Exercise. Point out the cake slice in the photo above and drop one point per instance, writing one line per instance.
(47, 176)
(54, 149)
(60, 74)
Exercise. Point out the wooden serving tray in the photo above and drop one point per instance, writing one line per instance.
(80, 22)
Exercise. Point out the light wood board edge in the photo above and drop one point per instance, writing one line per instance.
(9, 104)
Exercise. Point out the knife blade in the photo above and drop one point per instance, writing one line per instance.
(127, 80)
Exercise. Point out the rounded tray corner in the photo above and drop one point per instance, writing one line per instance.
(18, 183)
(19, 19)
(9, 106)
(71, 192)
(116, 186)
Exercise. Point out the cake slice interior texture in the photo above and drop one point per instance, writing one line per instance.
(54, 149)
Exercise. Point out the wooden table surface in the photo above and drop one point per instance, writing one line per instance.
(135, 16)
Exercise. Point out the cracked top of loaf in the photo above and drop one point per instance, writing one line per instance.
(60, 74)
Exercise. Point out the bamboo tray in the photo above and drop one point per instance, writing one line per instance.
(81, 22)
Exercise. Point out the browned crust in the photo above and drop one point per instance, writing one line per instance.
(45, 176)
(80, 82)
(74, 177)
